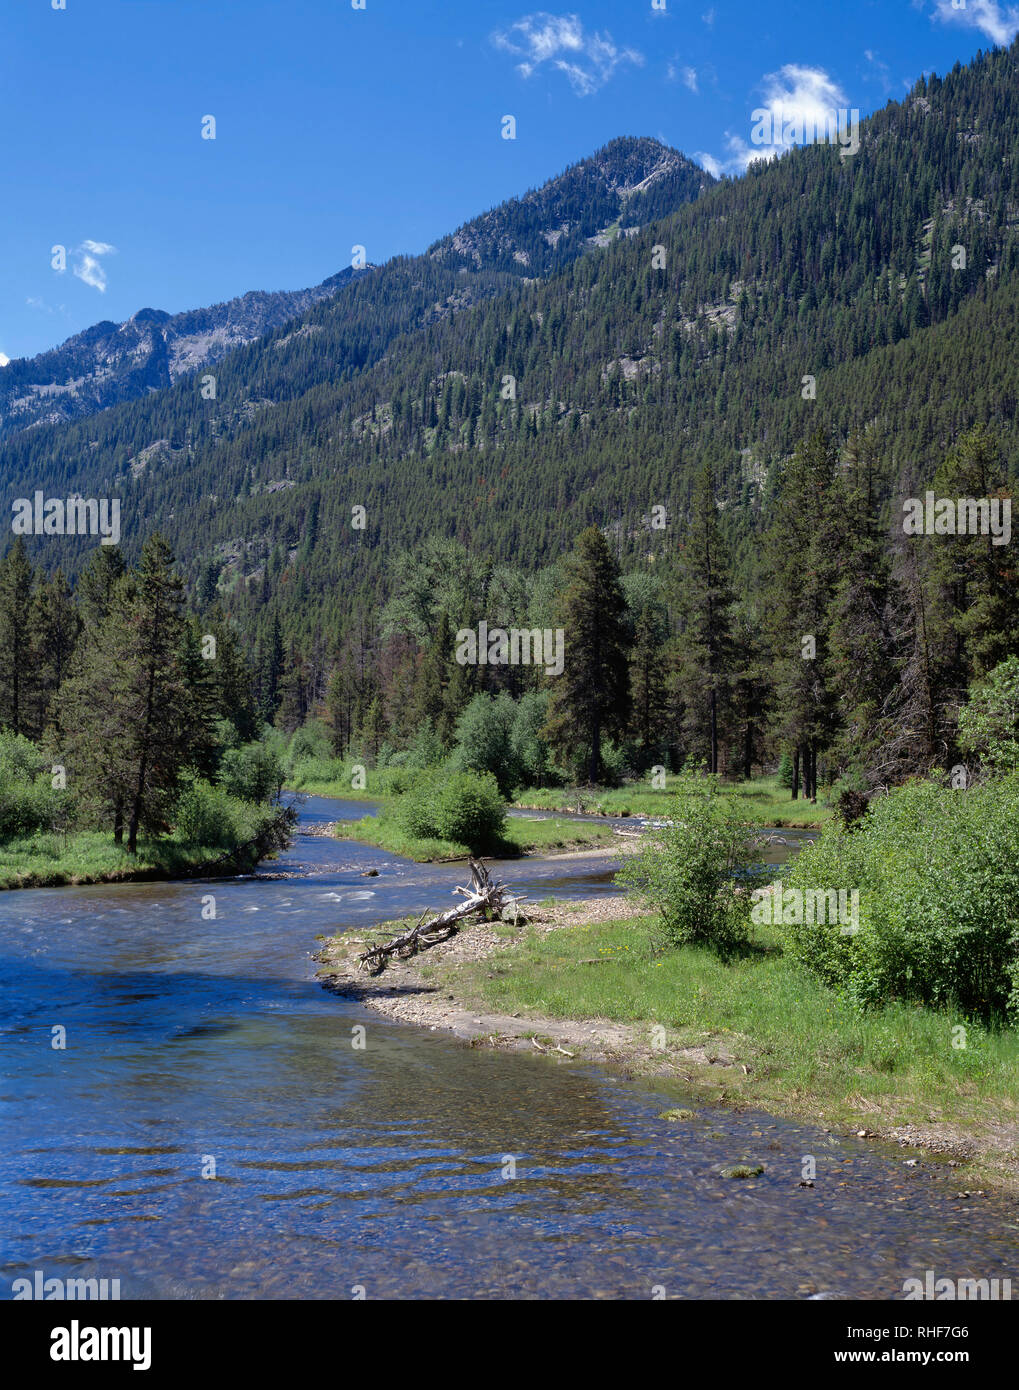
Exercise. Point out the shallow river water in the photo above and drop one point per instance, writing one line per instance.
(193, 1041)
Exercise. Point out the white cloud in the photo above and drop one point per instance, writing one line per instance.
(673, 73)
(709, 18)
(999, 22)
(88, 266)
(879, 71)
(4, 360)
(587, 59)
(709, 162)
(797, 98)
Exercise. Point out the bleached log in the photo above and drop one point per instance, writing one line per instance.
(484, 893)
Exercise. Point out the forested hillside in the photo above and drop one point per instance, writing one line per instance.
(740, 395)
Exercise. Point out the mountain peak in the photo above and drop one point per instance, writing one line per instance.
(631, 181)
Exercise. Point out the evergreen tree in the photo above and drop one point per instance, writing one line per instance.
(96, 583)
(127, 715)
(55, 634)
(704, 654)
(18, 678)
(590, 699)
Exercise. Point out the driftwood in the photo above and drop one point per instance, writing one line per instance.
(484, 894)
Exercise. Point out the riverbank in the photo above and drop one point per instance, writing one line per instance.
(520, 838)
(580, 983)
(763, 801)
(52, 860)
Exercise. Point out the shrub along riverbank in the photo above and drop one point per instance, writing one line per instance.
(49, 835)
(44, 860)
(445, 814)
(763, 801)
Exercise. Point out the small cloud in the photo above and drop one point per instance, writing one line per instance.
(588, 60)
(709, 18)
(999, 22)
(709, 162)
(801, 100)
(879, 71)
(690, 79)
(88, 267)
(5, 361)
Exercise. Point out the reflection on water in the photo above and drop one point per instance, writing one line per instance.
(193, 1042)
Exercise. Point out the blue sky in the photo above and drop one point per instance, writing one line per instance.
(379, 126)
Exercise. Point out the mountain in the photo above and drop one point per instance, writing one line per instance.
(457, 393)
(623, 184)
(627, 184)
(113, 362)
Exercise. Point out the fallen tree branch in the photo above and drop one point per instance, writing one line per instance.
(484, 894)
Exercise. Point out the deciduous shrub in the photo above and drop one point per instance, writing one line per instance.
(206, 815)
(989, 722)
(695, 871)
(938, 876)
(28, 800)
(253, 772)
(464, 807)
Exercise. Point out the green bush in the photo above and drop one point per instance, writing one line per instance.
(253, 772)
(206, 815)
(416, 811)
(484, 739)
(989, 723)
(530, 748)
(470, 810)
(26, 807)
(312, 741)
(694, 872)
(462, 807)
(28, 800)
(938, 877)
(785, 772)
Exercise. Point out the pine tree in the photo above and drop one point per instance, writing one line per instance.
(17, 633)
(704, 653)
(127, 715)
(55, 634)
(648, 697)
(590, 700)
(96, 583)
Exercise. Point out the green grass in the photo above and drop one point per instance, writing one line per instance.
(520, 837)
(40, 860)
(806, 1052)
(333, 777)
(763, 801)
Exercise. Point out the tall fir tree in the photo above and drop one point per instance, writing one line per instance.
(590, 700)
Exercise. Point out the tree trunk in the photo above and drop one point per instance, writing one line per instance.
(136, 808)
(748, 751)
(796, 772)
(714, 732)
(594, 762)
(118, 825)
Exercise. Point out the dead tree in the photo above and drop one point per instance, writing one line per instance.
(485, 894)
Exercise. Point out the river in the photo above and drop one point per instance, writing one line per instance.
(192, 1041)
